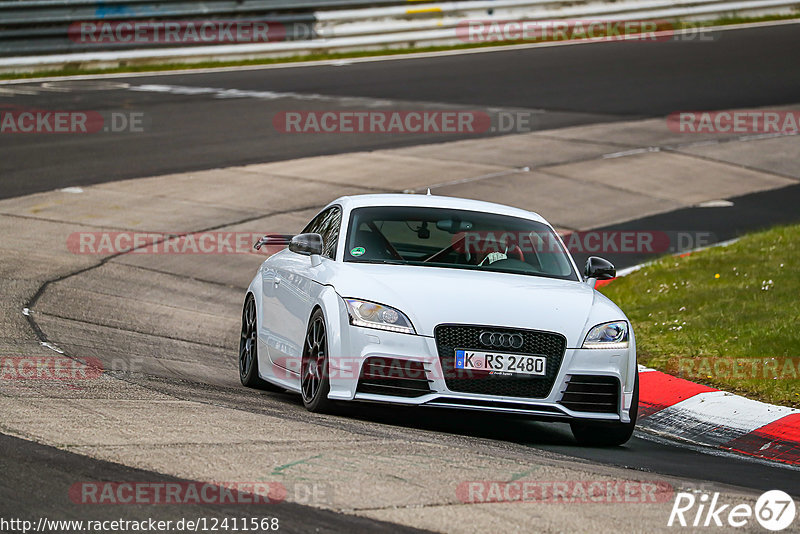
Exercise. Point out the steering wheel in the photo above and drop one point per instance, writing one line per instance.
(517, 252)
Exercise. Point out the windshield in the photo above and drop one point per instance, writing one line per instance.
(459, 239)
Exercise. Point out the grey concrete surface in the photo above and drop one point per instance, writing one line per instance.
(567, 202)
(779, 155)
(674, 178)
(539, 149)
(165, 327)
(380, 170)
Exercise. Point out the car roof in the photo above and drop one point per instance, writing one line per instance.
(433, 201)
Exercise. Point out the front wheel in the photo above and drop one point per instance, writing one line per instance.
(608, 434)
(315, 382)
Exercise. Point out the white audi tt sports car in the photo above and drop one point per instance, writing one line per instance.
(440, 302)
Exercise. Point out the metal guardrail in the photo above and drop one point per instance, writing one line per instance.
(42, 26)
(29, 27)
(351, 23)
(35, 12)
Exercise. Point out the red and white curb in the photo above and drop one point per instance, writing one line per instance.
(702, 415)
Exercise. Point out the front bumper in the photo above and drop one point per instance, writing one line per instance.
(360, 344)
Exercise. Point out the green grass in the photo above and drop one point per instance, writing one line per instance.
(728, 316)
(77, 70)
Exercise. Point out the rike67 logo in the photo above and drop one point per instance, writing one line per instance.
(774, 510)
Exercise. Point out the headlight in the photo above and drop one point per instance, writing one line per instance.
(607, 336)
(371, 315)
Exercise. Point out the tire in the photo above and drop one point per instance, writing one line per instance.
(248, 349)
(608, 434)
(314, 378)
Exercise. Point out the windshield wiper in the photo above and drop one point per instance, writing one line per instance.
(389, 262)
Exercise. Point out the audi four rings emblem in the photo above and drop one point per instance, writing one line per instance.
(501, 340)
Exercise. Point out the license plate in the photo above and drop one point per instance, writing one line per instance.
(500, 363)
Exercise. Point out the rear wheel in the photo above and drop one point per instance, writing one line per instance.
(248, 349)
(315, 383)
(608, 434)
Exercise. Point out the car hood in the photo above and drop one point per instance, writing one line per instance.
(430, 296)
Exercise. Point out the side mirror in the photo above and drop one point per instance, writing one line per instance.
(306, 244)
(599, 269)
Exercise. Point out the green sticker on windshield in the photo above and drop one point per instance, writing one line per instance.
(358, 251)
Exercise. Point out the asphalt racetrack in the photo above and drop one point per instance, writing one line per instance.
(228, 120)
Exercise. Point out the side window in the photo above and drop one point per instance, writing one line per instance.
(327, 225)
(313, 226)
(330, 231)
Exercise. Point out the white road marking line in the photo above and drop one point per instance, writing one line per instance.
(28, 91)
(91, 85)
(715, 204)
(222, 93)
(51, 347)
(757, 137)
(632, 152)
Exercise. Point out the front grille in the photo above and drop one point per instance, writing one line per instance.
(393, 376)
(586, 393)
(548, 344)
